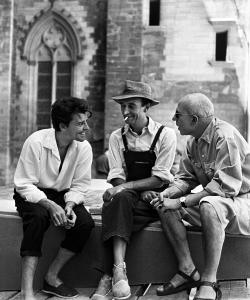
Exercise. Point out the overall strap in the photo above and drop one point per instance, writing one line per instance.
(124, 139)
(156, 138)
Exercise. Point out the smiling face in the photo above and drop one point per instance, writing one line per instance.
(135, 111)
(77, 128)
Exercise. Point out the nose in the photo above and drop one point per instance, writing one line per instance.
(85, 126)
(174, 118)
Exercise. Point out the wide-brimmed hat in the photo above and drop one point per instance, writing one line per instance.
(136, 89)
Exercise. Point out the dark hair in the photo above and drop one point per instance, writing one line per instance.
(62, 110)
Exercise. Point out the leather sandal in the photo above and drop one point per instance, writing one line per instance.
(216, 288)
(168, 288)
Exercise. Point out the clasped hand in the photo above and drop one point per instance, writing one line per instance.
(163, 202)
(62, 217)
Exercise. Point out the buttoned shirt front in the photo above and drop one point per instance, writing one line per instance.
(219, 160)
(164, 150)
(39, 166)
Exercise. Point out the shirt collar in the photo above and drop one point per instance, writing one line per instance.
(150, 127)
(50, 142)
(208, 133)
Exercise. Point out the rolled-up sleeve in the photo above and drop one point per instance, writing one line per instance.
(165, 157)
(115, 159)
(82, 176)
(28, 172)
(227, 179)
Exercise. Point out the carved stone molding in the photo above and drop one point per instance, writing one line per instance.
(54, 29)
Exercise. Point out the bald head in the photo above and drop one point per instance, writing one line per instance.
(197, 104)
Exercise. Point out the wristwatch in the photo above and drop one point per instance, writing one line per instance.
(183, 202)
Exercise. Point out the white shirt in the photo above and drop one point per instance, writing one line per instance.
(165, 150)
(39, 163)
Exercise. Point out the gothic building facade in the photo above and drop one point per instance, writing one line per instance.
(87, 48)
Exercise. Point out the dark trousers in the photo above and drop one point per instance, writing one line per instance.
(36, 220)
(125, 214)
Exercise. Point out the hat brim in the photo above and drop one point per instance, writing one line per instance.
(121, 98)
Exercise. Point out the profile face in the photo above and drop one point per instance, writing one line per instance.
(183, 120)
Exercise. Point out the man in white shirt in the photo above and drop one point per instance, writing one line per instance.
(141, 155)
(51, 179)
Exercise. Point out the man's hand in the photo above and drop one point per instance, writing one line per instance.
(71, 216)
(164, 204)
(109, 193)
(149, 195)
(57, 214)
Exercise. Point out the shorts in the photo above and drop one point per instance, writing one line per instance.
(233, 213)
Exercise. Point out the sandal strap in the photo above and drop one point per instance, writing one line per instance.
(188, 277)
(214, 285)
(121, 266)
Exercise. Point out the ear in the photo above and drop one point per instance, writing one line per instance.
(146, 107)
(62, 126)
(195, 120)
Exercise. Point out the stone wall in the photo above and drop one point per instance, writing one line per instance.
(88, 19)
(178, 56)
(5, 86)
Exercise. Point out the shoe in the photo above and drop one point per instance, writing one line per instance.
(168, 288)
(104, 288)
(61, 291)
(121, 289)
(216, 288)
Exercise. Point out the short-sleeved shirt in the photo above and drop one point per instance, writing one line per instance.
(39, 167)
(165, 150)
(219, 160)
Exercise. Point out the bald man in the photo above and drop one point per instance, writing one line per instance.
(218, 158)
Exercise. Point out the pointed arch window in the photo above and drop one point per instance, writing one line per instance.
(54, 79)
(51, 48)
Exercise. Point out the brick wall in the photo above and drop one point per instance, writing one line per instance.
(124, 53)
(5, 87)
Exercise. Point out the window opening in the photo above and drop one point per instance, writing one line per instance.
(54, 72)
(221, 46)
(154, 13)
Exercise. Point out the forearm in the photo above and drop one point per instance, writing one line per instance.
(146, 184)
(194, 199)
(46, 203)
(117, 181)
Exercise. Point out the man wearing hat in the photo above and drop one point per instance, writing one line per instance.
(142, 153)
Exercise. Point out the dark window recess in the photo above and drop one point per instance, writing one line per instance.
(221, 46)
(44, 94)
(154, 12)
(63, 88)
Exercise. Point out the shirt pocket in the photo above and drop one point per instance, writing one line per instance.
(209, 169)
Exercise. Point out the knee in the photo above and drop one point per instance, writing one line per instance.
(39, 220)
(86, 223)
(169, 216)
(124, 197)
(207, 210)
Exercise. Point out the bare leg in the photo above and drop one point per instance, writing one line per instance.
(62, 257)
(119, 249)
(176, 233)
(121, 288)
(29, 264)
(214, 236)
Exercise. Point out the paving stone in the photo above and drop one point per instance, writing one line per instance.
(38, 295)
(7, 295)
(151, 294)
